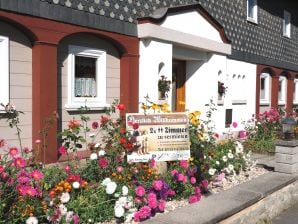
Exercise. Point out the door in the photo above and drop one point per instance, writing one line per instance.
(178, 86)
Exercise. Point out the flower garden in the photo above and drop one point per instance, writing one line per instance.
(106, 186)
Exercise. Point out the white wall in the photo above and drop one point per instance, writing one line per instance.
(152, 53)
(192, 23)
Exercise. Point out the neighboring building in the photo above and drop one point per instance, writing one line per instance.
(56, 54)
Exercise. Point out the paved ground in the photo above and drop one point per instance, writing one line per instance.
(289, 216)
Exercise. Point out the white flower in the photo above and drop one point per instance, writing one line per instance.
(116, 195)
(93, 156)
(239, 148)
(32, 220)
(124, 190)
(106, 181)
(217, 162)
(62, 209)
(101, 153)
(119, 211)
(122, 201)
(65, 197)
(129, 218)
(69, 217)
(206, 137)
(97, 145)
(230, 167)
(92, 135)
(89, 220)
(76, 185)
(111, 187)
(225, 158)
(230, 155)
(211, 171)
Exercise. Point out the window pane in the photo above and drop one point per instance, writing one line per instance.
(85, 76)
(263, 88)
(280, 90)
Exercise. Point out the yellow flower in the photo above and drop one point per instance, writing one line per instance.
(144, 107)
(195, 121)
(155, 106)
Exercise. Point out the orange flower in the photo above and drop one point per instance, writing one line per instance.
(72, 124)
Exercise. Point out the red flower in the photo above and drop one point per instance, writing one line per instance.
(135, 126)
(95, 125)
(62, 150)
(103, 121)
(121, 107)
(129, 146)
(103, 162)
(122, 141)
(122, 131)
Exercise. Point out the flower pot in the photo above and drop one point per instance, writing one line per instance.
(161, 95)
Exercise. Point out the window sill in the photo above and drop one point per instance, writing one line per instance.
(281, 103)
(264, 103)
(239, 102)
(220, 102)
(286, 36)
(91, 107)
(252, 20)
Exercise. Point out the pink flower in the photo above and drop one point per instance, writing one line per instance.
(2, 168)
(234, 124)
(183, 163)
(174, 172)
(205, 183)
(152, 202)
(95, 125)
(136, 217)
(140, 191)
(198, 191)
(4, 175)
(36, 175)
(151, 163)
(216, 135)
(157, 185)
(120, 169)
(162, 205)
(138, 200)
(171, 192)
(145, 212)
(242, 134)
(30, 191)
(103, 162)
(13, 152)
(19, 162)
(193, 180)
(26, 149)
(62, 150)
(181, 177)
(67, 169)
(76, 219)
(192, 199)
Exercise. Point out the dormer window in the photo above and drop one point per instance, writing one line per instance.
(286, 25)
(252, 11)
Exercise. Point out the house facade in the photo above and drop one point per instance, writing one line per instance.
(59, 55)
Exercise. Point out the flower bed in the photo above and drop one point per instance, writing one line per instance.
(107, 186)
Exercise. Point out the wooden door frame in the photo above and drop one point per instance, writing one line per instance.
(180, 84)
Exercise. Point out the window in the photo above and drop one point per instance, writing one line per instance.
(4, 71)
(286, 24)
(282, 90)
(252, 11)
(86, 78)
(264, 88)
(228, 118)
(295, 94)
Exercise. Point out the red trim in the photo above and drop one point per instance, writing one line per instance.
(44, 96)
(45, 36)
(185, 8)
(275, 74)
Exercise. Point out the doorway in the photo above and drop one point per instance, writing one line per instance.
(178, 85)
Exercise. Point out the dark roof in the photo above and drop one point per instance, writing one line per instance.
(112, 15)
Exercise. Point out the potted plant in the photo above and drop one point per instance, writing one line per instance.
(164, 87)
(221, 89)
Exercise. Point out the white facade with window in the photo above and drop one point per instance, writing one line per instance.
(286, 24)
(252, 11)
(282, 90)
(86, 78)
(4, 71)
